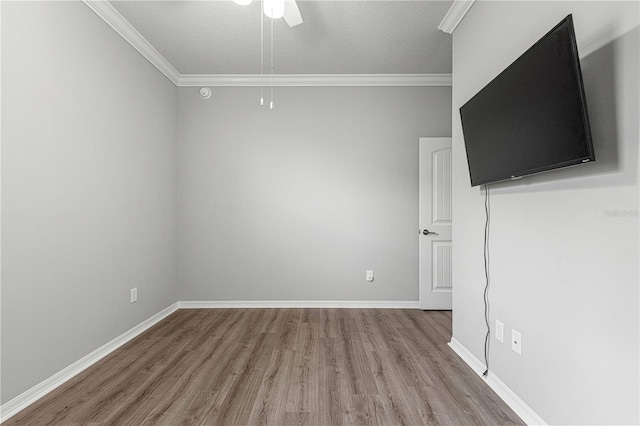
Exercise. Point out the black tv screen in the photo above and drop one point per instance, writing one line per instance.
(533, 116)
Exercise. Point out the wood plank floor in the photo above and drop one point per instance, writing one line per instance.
(279, 367)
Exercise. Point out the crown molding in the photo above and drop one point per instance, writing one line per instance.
(320, 80)
(454, 16)
(115, 20)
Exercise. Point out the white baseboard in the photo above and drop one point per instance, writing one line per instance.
(503, 391)
(20, 402)
(379, 304)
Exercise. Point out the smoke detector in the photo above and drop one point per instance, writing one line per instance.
(205, 93)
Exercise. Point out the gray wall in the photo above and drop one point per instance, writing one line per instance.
(296, 203)
(88, 188)
(564, 266)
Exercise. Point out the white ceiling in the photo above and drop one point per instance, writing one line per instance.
(337, 37)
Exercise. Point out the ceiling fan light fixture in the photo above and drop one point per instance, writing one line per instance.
(273, 8)
(243, 2)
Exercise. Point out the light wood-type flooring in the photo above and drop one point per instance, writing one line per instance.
(279, 367)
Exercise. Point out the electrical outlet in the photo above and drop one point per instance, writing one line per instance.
(516, 342)
(134, 294)
(369, 276)
(499, 331)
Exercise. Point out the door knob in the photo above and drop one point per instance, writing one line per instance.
(427, 232)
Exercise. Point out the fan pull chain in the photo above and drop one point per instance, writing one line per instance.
(261, 56)
(271, 104)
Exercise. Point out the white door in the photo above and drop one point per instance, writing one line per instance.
(435, 223)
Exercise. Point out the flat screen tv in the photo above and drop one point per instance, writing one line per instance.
(532, 117)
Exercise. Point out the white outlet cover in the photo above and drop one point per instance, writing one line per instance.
(134, 294)
(516, 342)
(499, 331)
(369, 276)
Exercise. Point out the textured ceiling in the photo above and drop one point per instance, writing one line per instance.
(337, 37)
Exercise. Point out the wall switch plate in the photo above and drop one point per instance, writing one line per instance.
(499, 331)
(516, 342)
(369, 276)
(134, 294)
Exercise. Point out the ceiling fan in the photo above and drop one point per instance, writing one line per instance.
(287, 9)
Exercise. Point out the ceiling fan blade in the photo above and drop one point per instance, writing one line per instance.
(292, 13)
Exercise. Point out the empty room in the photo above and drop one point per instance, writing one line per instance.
(319, 212)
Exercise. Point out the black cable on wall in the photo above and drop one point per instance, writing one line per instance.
(487, 340)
